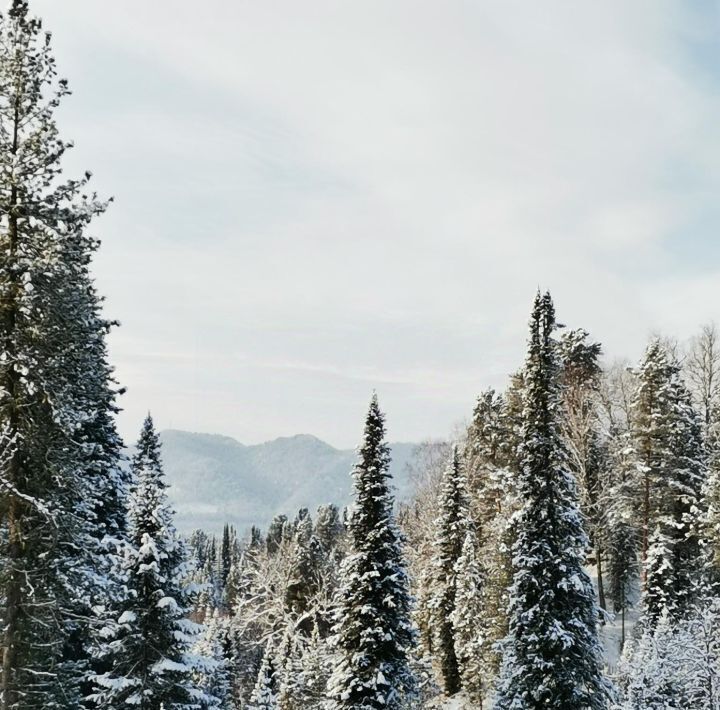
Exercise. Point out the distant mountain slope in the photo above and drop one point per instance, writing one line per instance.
(216, 479)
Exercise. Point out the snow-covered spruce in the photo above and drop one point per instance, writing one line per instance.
(214, 679)
(265, 693)
(451, 528)
(148, 646)
(470, 623)
(61, 490)
(552, 656)
(373, 635)
(676, 664)
(669, 475)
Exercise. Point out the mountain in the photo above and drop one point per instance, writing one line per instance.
(216, 479)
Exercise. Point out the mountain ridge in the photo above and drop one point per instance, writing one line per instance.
(215, 479)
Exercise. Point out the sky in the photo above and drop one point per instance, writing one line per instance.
(316, 199)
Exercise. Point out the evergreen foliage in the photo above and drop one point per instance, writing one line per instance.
(670, 475)
(373, 635)
(149, 645)
(452, 527)
(265, 692)
(61, 487)
(552, 655)
(469, 620)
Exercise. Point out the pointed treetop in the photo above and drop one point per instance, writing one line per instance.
(147, 461)
(19, 9)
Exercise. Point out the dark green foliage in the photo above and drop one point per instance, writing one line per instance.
(148, 644)
(551, 654)
(451, 529)
(61, 490)
(670, 467)
(374, 636)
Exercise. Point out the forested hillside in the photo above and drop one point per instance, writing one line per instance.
(247, 485)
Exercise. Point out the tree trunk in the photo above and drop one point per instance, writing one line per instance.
(13, 505)
(600, 584)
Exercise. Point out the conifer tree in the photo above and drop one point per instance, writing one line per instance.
(710, 525)
(225, 557)
(621, 529)
(265, 692)
(587, 455)
(149, 645)
(328, 527)
(60, 484)
(451, 528)
(469, 623)
(304, 577)
(551, 654)
(670, 462)
(373, 635)
(212, 676)
(491, 459)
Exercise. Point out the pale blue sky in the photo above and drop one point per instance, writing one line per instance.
(319, 198)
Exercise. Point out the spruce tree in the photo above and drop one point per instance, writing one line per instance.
(373, 635)
(265, 693)
(469, 623)
(451, 528)
(491, 459)
(671, 470)
(60, 484)
(304, 576)
(580, 384)
(149, 644)
(552, 654)
(621, 529)
(212, 674)
(710, 525)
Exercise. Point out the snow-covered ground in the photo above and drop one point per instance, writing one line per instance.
(457, 702)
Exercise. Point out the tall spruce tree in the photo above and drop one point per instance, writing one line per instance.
(149, 644)
(491, 460)
(451, 528)
(670, 468)
(469, 620)
(552, 655)
(373, 635)
(587, 451)
(621, 530)
(61, 491)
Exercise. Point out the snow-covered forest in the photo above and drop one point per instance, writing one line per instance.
(563, 551)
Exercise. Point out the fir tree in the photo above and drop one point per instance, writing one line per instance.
(149, 645)
(60, 484)
(275, 533)
(580, 383)
(304, 575)
(373, 635)
(491, 459)
(212, 676)
(264, 694)
(468, 619)
(551, 654)
(670, 462)
(451, 527)
(710, 525)
(225, 557)
(621, 529)
(328, 527)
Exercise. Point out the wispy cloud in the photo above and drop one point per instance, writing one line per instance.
(374, 190)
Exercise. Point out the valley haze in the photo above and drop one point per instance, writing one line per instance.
(215, 479)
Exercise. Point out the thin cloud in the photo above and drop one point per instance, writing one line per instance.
(376, 189)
